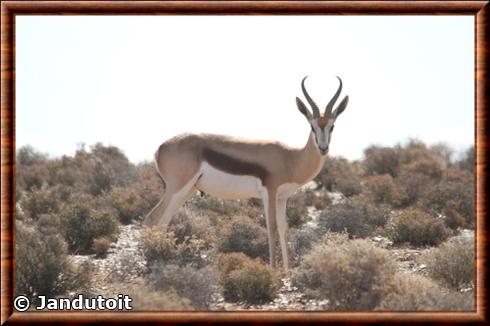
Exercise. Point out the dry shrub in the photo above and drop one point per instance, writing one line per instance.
(318, 199)
(351, 274)
(31, 169)
(382, 190)
(30, 177)
(417, 228)
(339, 175)
(149, 186)
(163, 247)
(453, 263)
(412, 187)
(244, 279)
(126, 202)
(42, 265)
(197, 285)
(381, 160)
(28, 156)
(81, 224)
(48, 224)
(187, 224)
(452, 217)
(430, 167)
(300, 243)
(467, 162)
(414, 292)
(454, 194)
(357, 216)
(110, 168)
(216, 206)
(414, 150)
(443, 152)
(242, 234)
(296, 210)
(101, 246)
(145, 298)
(40, 201)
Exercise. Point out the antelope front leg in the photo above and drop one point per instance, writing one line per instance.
(269, 199)
(282, 228)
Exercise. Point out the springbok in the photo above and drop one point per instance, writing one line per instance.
(232, 168)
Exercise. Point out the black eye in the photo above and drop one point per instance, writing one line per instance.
(331, 129)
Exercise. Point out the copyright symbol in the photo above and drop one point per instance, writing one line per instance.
(21, 303)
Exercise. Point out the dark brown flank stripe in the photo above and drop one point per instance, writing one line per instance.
(232, 165)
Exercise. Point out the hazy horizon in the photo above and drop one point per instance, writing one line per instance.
(133, 82)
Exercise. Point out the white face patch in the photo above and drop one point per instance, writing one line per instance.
(322, 135)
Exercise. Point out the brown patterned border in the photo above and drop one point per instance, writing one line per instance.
(9, 9)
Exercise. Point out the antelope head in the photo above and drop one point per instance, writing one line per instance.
(322, 124)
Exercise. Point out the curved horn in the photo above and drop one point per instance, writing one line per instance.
(316, 111)
(329, 107)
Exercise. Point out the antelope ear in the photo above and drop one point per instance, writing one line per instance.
(302, 108)
(341, 107)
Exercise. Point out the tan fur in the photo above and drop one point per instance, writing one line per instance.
(322, 122)
(266, 169)
(178, 162)
(177, 159)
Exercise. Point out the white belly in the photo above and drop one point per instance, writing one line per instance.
(228, 186)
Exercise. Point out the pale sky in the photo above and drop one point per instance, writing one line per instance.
(134, 82)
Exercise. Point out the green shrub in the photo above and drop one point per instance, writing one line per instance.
(382, 190)
(81, 224)
(381, 160)
(414, 292)
(452, 263)
(197, 285)
(242, 234)
(145, 298)
(351, 274)
(244, 279)
(417, 228)
(42, 265)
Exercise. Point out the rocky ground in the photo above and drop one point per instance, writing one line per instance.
(125, 265)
